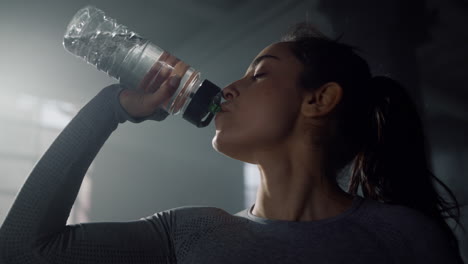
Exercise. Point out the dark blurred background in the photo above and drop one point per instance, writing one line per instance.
(148, 167)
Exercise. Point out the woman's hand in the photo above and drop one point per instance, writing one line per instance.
(141, 103)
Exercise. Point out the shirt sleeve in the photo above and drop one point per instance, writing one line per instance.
(35, 229)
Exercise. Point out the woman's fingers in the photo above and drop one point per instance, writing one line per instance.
(139, 103)
(161, 76)
(163, 94)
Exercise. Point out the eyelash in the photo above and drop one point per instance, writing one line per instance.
(255, 77)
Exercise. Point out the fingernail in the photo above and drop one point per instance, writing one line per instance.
(174, 80)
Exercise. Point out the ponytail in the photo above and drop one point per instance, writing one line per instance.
(392, 165)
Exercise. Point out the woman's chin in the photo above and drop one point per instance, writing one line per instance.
(229, 147)
(220, 142)
(216, 141)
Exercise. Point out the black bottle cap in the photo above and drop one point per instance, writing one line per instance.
(199, 106)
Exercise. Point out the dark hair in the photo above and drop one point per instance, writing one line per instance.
(383, 134)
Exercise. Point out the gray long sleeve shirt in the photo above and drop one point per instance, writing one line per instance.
(35, 230)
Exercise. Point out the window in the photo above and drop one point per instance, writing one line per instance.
(29, 126)
(251, 182)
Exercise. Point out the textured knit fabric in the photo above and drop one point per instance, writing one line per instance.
(35, 230)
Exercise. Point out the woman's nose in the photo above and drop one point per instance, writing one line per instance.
(230, 92)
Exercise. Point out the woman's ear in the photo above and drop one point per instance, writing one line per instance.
(322, 101)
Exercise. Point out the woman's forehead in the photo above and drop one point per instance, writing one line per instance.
(279, 51)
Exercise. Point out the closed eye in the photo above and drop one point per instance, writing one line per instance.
(255, 77)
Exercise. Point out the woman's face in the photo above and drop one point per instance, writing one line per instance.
(263, 106)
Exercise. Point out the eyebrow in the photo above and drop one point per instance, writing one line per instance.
(259, 59)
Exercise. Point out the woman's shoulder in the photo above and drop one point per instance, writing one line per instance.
(408, 230)
(399, 216)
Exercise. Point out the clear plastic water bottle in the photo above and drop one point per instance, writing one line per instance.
(138, 63)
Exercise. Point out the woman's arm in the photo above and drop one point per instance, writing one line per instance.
(35, 230)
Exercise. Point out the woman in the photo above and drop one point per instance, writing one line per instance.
(306, 107)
